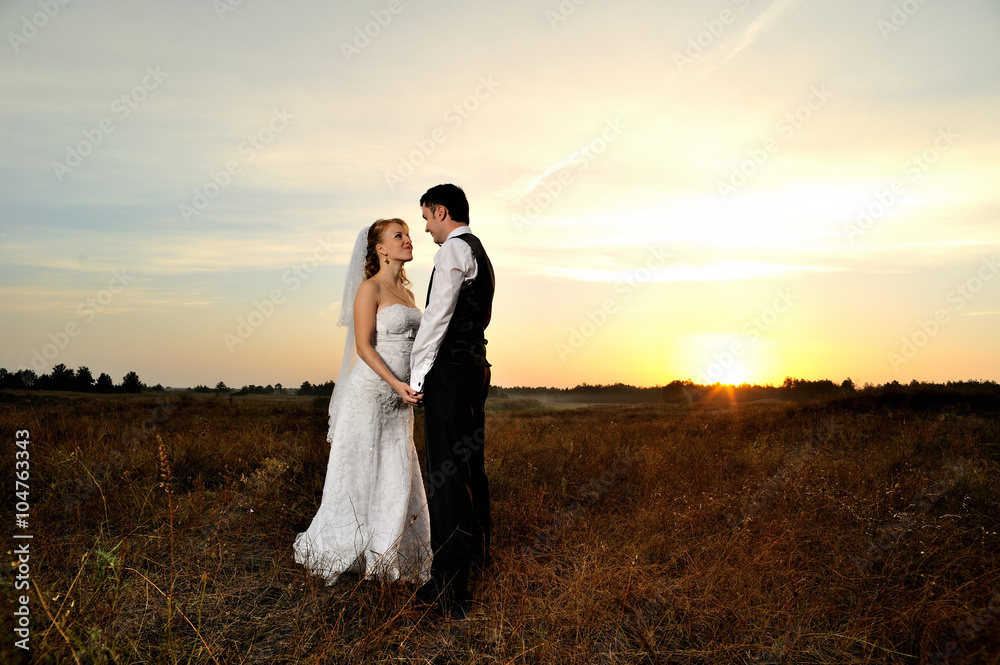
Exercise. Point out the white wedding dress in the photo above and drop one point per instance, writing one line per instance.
(373, 518)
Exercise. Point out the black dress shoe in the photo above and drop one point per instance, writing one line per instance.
(440, 603)
(428, 594)
(482, 565)
(457, 612)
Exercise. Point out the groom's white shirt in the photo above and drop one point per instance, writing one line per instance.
(454, 265)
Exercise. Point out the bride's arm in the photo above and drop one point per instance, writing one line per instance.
(365, 309)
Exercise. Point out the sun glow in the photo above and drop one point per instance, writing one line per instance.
(710, 358)
(734, 375)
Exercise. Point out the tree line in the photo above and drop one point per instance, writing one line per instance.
(80, 380)
(791, 389)
(277, 389)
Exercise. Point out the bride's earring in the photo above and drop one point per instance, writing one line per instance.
(387, 260)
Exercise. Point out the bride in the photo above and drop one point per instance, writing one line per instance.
(373, 518)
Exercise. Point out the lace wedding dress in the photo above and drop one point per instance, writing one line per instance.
(373, 517)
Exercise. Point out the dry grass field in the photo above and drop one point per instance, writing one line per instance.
(863, 530)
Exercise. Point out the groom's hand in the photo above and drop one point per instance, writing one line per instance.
(411, 397)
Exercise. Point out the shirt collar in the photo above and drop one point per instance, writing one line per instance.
(461, 230)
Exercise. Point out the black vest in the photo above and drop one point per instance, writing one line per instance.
(465, 340)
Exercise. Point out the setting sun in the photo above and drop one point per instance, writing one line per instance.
(711, 358)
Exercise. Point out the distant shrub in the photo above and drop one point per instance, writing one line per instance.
(320, 389)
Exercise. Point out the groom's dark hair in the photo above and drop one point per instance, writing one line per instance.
(451, 197)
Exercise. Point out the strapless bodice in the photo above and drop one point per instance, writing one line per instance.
(396, 323)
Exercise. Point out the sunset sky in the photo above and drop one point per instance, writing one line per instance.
(737, 190)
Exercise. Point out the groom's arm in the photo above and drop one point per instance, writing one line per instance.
(454, 264)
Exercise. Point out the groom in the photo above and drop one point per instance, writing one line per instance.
(451, 378)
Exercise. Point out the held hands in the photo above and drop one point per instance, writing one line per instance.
(409, 395)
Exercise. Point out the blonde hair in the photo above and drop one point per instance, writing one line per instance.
(375, 233)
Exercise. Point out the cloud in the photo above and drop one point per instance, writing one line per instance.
(730, 50)
(718, 271)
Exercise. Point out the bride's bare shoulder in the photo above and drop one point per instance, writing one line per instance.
(368, 291)
(370, 285)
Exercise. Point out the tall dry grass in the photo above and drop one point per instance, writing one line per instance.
(760, 533)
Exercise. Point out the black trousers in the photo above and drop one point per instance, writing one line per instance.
(458, 491)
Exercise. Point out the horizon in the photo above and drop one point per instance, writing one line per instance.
(856, 385)
(730, 192)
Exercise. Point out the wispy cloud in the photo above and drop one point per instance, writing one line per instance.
(718, 271)
(729, 50)
(520, 188)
